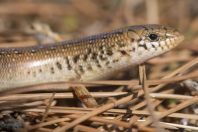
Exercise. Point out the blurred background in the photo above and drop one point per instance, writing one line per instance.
(75, 18)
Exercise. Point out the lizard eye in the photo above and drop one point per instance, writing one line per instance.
(153, 37)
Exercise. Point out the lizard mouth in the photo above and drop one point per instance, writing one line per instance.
(178, 39)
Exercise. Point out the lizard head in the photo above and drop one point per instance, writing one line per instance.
(152, 40)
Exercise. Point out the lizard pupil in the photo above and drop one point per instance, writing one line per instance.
(153, 37)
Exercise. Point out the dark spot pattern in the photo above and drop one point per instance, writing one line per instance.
(85, 57)
(67, 63)
(81, 69)
(88, 51)
(109, 52)
(165, 28)
(76, 58)
(102, 57)
(153, 45)
(123, 52)
(93, 56)
(116, 60)
(52, 70)
(40, 70)
(144, 46)
(102, 51)
(98, 65)
(107, 63)
(100, 47)
(28, 72)
(59, 66)
(132, 40)
(89, 68)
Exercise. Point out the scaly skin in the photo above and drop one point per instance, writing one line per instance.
(91, 58)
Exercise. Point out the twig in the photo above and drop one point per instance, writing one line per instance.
(93, 113)
(76, 110)
(150, 107)
(48, 107)
(83, 128)
(169, 96)
(180, 126)
(40, 96)
(178, 107)
(84, 96)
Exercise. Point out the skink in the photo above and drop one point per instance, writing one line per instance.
(90, 58)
